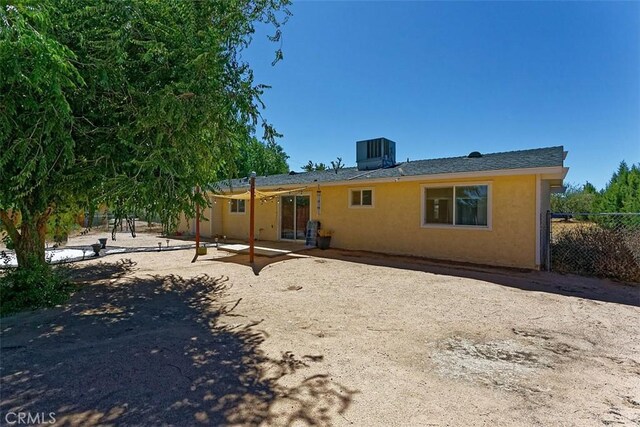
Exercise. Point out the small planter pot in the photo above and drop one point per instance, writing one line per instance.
(202, 250)
(103, 242)
(96, 248)
(323, 242)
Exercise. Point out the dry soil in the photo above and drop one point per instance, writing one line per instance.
(325, 338)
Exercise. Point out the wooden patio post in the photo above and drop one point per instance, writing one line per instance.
(252, 216)
(197, 227)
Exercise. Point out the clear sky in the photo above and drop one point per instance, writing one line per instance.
(446, 78)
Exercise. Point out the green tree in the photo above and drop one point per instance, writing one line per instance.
(589, 188)
(37, 76)
(132, 103)
(263, 158)
(622, 193)
(575, 199)
(310, 167)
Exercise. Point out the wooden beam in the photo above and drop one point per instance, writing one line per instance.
(197, 226)
(252, 217)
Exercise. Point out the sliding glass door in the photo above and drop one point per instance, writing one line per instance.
(294, 215)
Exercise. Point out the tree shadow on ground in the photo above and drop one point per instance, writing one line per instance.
(152, 350)
(591, 288)
(101, 271)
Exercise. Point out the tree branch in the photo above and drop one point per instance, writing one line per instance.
(8, 224)
(45, 216)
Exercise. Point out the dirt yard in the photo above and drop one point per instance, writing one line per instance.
(325, 338)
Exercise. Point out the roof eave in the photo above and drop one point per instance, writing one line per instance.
(547, 172)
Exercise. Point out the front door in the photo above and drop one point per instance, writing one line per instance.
(294, 214)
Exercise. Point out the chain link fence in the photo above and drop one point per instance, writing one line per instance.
(594, 244)
(106, 220)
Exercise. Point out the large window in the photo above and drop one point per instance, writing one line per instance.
(361, 198)
(439, 205)
(464, 205)
(237, 206)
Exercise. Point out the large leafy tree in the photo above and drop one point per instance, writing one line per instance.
(133, 103)
(36, 79)
(575, 199)
(263, 158)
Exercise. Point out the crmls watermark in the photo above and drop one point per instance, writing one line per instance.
(29, 418)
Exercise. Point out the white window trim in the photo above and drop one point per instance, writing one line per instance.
(488, 227)
(237, 213)
(361, 189)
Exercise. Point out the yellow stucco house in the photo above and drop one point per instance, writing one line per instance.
(477, 208)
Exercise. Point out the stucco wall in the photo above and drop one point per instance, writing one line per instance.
(394, 224)
(210, 223)
(221, 221)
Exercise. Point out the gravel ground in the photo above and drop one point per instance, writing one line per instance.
(325, 338)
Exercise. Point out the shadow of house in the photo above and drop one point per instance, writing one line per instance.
(152, 350)
(592, 288)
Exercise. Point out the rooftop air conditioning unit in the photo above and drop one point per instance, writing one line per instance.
(375, 154)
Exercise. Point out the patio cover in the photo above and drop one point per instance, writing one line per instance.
(259, 194)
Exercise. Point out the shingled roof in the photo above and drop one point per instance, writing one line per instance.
(535, 158)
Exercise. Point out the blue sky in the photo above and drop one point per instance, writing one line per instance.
(446, 78)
